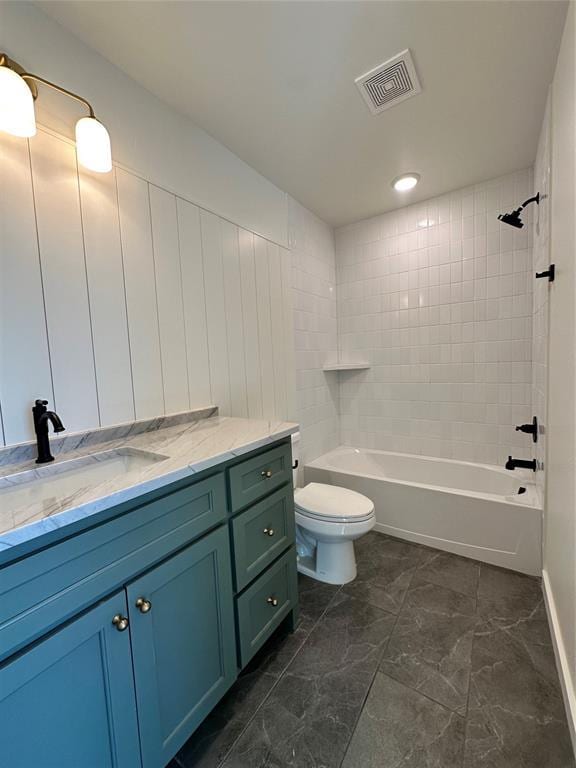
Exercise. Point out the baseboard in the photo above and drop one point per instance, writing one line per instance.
(566, 682)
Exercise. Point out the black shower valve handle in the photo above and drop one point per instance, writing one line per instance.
(530, 429)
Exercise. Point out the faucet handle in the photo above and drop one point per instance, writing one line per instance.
(530, 429)
(41, 402)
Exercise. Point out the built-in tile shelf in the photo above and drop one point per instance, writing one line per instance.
(347, 367)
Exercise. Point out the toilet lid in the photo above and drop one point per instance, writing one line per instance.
(330, 502)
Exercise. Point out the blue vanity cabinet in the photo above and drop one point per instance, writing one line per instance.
(69, 701)
(118, 640)
(183, 643)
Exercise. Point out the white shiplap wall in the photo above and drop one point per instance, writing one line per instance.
(120, 300)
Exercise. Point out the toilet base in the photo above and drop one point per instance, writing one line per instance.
(334, 563)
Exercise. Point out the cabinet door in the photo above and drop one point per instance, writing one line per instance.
(182, 626)
(69, 701)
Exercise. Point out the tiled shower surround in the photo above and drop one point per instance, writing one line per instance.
(437, 298)
(315, 330)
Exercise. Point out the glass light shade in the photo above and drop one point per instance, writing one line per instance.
(405, 182)
(16, 105)
(93, 145)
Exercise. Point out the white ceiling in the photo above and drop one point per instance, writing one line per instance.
(274, 82)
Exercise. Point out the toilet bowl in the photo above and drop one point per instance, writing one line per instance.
(328, 520)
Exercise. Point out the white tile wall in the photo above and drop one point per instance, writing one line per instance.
(541, 307)
(119, 299)
(438, 298)
(315, 330)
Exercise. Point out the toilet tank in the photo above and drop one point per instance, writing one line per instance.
(295, 458)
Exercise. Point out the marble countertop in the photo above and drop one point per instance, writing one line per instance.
(188, 443)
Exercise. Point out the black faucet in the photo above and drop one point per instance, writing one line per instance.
(521, 464)
(41, 418)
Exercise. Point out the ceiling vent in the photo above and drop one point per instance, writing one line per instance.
(390, 83)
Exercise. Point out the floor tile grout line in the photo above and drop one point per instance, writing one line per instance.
(353, 730)
(379, 671)
(280, 676)
(365, 699)
(467, 711)
(384, 649)
(424, 695)
(463, 716)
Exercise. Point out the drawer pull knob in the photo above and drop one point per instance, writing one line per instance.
(269, 531)
(273, 601)
(120, 622)
(143, 605)
(267, 473)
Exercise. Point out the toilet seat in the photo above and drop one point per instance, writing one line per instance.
(331, 503)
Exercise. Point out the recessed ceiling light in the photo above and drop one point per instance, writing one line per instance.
(405, 182)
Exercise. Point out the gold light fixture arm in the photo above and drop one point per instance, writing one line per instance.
(29, 76)
(31, 80)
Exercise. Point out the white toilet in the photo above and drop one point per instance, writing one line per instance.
(328, 520)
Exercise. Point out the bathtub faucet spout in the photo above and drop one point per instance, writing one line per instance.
(521, 463)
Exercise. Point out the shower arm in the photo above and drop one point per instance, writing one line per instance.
(535, 199)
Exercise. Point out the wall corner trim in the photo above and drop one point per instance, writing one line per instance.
(566, 682)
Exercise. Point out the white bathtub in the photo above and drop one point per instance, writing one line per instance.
(473, 510)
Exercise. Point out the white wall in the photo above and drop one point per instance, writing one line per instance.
(437, 297)
(147, 136)
(541, 297)
(560, 513)
(120, 300)
(314, 295)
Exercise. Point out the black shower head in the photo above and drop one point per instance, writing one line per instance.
(512, 218)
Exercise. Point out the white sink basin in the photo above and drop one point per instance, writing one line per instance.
(51, 483)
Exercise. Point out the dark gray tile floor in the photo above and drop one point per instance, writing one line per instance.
(426, 660)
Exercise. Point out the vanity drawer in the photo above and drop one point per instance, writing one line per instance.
(254, 478)
(264, 605)
(41, 591)
(261, 533)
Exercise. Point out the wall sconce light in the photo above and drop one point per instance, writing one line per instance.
(18, 90)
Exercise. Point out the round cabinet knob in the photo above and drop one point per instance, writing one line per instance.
(272, 601)
(267, 473)
(269, 531)
(120, 622)
(143, 605)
